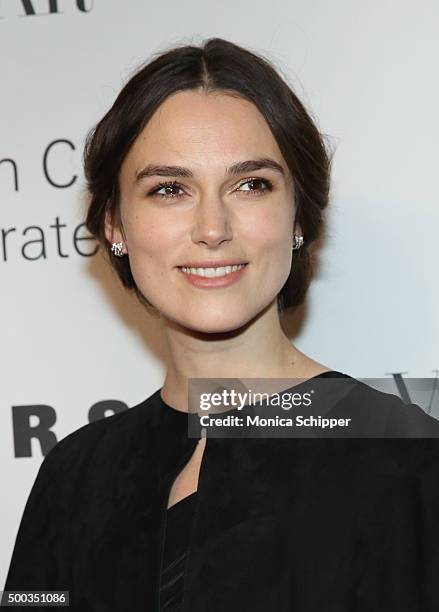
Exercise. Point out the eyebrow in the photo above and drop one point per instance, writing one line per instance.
(242, 167)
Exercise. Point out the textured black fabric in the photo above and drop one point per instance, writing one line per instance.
(177, 534)
(291, 525)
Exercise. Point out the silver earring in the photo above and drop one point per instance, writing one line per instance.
(116, 248)
(297, 242)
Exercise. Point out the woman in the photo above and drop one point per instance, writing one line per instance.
(208, 184)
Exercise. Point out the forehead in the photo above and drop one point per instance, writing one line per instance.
(198, 128)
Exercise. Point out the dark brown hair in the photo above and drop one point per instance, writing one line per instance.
(216, 65)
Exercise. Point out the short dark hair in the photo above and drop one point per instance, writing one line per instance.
(216, 65)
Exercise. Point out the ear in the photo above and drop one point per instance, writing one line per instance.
(113, 233)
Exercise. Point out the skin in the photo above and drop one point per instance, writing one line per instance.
(225, 332)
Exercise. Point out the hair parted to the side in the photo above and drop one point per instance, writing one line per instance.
(217, 65)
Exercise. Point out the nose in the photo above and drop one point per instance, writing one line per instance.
(212, 223)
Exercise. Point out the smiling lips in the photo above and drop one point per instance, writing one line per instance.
(219, 276)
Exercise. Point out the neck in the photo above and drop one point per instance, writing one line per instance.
(259, 349)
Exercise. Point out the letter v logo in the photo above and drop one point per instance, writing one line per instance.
(404, 393)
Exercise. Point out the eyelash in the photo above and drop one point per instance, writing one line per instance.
(153, 192)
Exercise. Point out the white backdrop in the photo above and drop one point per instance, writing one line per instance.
(70, 336)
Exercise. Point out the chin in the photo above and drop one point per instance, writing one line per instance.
(215, 323)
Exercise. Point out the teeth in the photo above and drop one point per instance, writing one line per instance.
(212, 272)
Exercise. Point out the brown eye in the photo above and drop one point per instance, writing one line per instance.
(254, 185)
(170, 190)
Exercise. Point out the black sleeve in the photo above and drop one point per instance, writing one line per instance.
(400, 559)
(35, 564)
(410, 421)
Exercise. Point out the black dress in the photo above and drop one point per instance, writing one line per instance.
(177, 534)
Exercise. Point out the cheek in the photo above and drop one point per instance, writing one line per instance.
(276, 252)
(274, 221)
(148, 237)
(273, 242)
(273, 233)
(148, 243)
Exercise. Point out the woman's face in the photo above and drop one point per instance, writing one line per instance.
(206, 211)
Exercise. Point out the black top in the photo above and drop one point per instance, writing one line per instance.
(176, 541)
(177, 532)
(304, 524)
